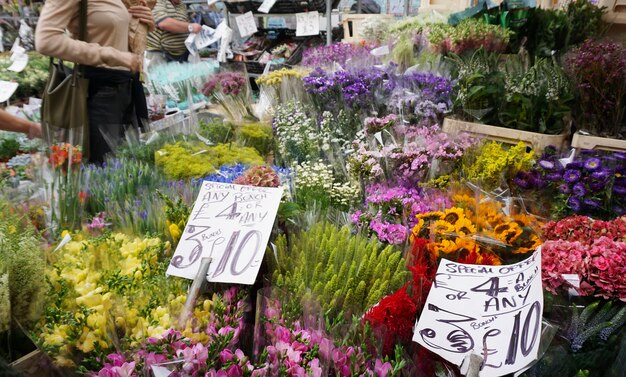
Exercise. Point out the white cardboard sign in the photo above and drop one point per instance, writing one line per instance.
(266, 6)
(20, 61)
(7, 88)
(307, 23)
(246, 24)
(231, 224)
(492, 311)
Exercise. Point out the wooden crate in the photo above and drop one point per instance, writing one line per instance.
(444, 6)
(616, 11)
(534, 140)
(580, 141)
(353, 24)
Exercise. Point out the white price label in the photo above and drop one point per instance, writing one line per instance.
(231, 224)
(246, 24)
(7, 88)
(307, 23)
(492, 311)
(20, 61)
(208, 36)
(266, 6)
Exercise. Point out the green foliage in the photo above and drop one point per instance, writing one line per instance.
(347, 274)
(22, 264)
(255, 135)
(8, 148)
(216, 130)
(32, 80)
(185, 160)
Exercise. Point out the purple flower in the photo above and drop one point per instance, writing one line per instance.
(619, 155)
(592, 164)
(554, 177)
(571, 175)
(597, 185)
(565, 189)
(522, 180)
(548, 165)
(579, 189)
(592, 203)
(619, 190)
(574, 165)
(574, 204)
(601, 175)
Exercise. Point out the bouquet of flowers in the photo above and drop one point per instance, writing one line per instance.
(592, 183)
(281, 86)
(469, 35)
(344, 54)
(598, 72)
(420, 95)
(392, 211)
(231, 91)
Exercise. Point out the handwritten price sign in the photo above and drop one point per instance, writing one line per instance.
(231, 224)
(492, 311)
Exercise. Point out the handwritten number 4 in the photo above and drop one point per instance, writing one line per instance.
(232, 214)
(494, 287)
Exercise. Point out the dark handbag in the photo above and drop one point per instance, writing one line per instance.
(64, 105)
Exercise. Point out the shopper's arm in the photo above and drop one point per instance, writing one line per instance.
(51, 39)
(175, 26)
(12, 123)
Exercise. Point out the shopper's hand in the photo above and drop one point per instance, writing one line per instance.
(143, 14)
(196, 28)
(34, 130)
(136, 63)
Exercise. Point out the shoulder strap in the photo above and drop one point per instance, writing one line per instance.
(82, 31)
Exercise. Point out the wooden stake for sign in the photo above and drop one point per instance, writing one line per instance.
(194, 291)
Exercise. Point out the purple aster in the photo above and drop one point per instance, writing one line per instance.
(601, 175)
(619, 190)
(554, 177)
(574, 204)
(522, 180)
(597, 185)
(571, 175)
(565, 189)
(592, 164)
(592, 203)
(619, 210)
(574, 165)
(619, 155)
(548, 165)
(579, 189)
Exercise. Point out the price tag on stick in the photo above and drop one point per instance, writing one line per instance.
(7, 88)
(246, 24)
(266, 6)
(492, 311)
(307, 23)
(231, 224)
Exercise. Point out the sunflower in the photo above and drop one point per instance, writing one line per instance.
(453, 214)
(530, 244)
(507, 232)
(464, 226)
(442, 226)
(445, 246)
(417, 229)
(430, 216)
(464, 243)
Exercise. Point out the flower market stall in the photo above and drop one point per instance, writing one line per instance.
(418, 203)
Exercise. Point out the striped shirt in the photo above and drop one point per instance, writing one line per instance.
(161, 40)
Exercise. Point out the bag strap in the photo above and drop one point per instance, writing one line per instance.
(82, 36)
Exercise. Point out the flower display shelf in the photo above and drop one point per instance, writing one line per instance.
(581, 141)
(353, 25)
(534, 140)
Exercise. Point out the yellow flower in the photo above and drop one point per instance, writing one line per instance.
(442, 226)
(175, 232)
(464, 226)
(65, 233)
(87, 341)
(417, 228)
(91, 299)
(453, 214)
(507, 232)
(445, 246)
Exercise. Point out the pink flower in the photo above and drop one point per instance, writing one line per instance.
(126, 370)
(314, 365)
(226, 355)
(382, 370)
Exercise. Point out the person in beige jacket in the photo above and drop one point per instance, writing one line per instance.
(116, 99)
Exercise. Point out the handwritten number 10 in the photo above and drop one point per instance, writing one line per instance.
(515, 335)
(229, 250)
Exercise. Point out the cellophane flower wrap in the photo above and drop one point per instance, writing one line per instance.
(592, 183)
(231, 91)
(65, 190)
